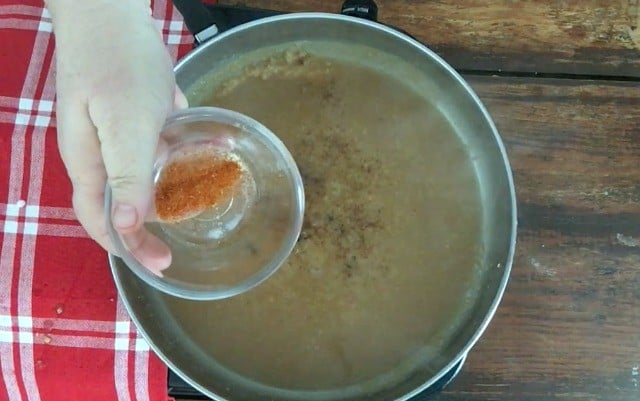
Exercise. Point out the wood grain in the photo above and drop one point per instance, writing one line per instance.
(569, 325)
(592, 37)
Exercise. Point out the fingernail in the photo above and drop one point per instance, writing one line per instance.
(124, 216)
(157, 273)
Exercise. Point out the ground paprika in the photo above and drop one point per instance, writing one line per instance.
(190, 184)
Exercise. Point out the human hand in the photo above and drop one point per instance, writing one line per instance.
(115, 88)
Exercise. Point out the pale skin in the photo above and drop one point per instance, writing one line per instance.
(115, 88)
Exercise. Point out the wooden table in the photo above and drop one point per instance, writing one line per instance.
(562, 81)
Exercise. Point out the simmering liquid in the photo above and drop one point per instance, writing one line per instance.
(386, 261)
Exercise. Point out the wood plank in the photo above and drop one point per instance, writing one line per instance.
(569, 325)
(594, 37)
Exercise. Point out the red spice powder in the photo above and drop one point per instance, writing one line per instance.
(191, 184)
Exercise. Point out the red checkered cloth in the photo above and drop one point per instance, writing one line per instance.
(64, 334)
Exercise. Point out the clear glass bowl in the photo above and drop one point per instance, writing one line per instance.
(233, 246)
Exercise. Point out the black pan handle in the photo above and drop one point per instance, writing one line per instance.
(202, 22)
(366, 9)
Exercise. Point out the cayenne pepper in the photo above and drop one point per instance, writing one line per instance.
(191, 184)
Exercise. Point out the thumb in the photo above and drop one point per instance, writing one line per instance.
(128, 140)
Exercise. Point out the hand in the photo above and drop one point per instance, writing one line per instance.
(115, 88)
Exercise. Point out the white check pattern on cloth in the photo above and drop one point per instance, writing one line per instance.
(13, 212)
(24, 219)
(121, 336)
(11, 227)
(20, 218)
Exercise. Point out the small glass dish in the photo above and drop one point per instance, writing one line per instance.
(237, 243)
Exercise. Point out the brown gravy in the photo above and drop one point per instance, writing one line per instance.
(391, 239)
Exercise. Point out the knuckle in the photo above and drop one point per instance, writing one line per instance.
(123, 180)
(87, 177)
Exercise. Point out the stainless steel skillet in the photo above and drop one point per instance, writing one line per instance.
(474, 126)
